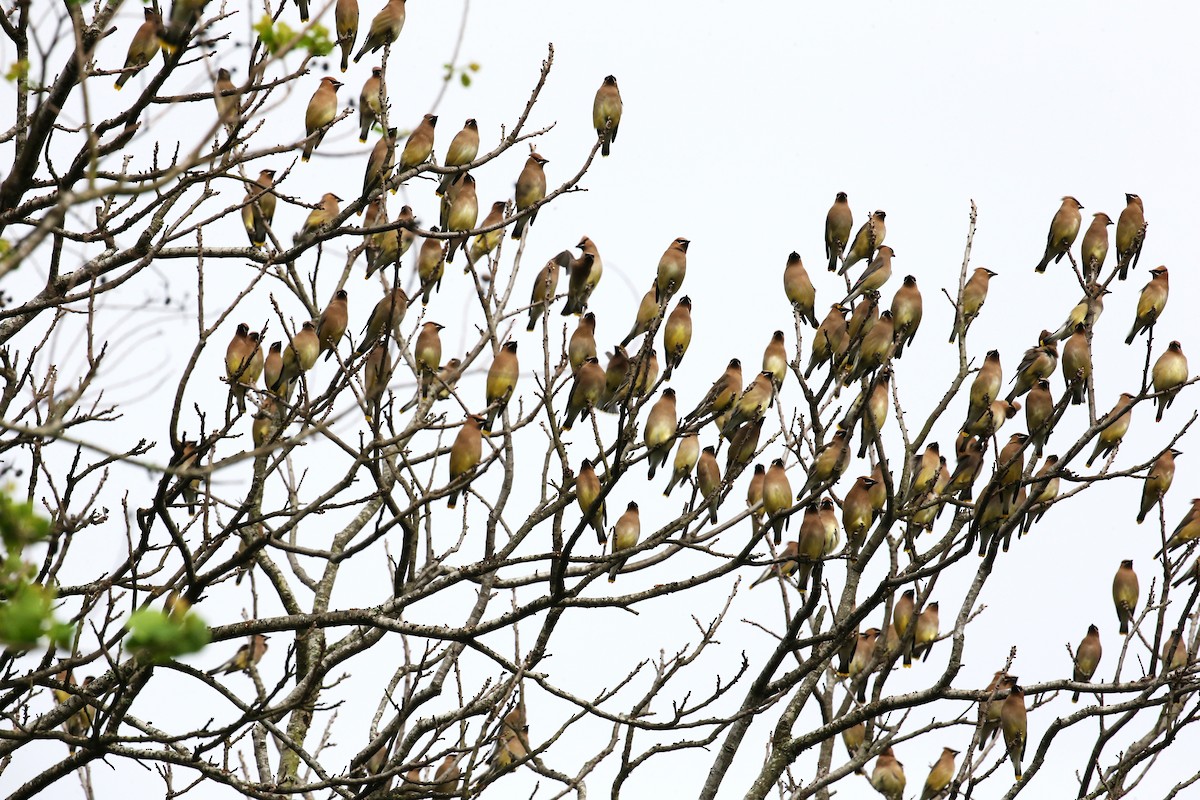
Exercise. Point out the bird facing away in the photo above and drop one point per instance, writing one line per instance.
(1125, 594)
(531, 190)
(465, 454)
(370, 103)
(626, 533)
(1087, 658)
(1169, 374)
(799, 289)
(606, 113)
(1015, 727)
(385, 28)
(1063, 230)
(259, 209)
(345, 25)
(501, 383)
(838, 222)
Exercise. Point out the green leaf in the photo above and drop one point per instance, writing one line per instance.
(159, 637)
(17, 71)
(27, 615)
(19, 524)
(465, 79)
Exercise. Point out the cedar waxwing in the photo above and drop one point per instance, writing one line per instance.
(677, 334)
(874, 350)
(940, 775)
(376, 373)
(785, 564)
(80, 723)
(1044, 490)
(544, 287)
(672, 268)
(345, 24)
(462, 212)
(1087, 658)
(380, 163)
(985, 389)
(1117, 422)
(1170, 373)
(967, 469)
(606, 113)
(247, 655)
(265, 424)
(831, 339)
(1037, 363)
(226, 98)
(857, 512)
(929, 505)
(775, 359)
(446, 777)
(990, 516)
(184, 14)
(419, 145)
(974, 295)
(585, 274)
(647, 313)
(906, 313)
(878, 492)
(722, 394)
(244, 362)
(299, 356)
(616, 378)
(322, 109)
(687, 453)
(754, 497)
(325, 213)
(465, 454)
(868, 239)
(259, 209)
(1094, 249)
(708, 480)
(742, 447)
(1131, 232)
(1158, 481)
(925, 470)
(1151, 303)
(1014, 726)
(777, 498)
(582, 344)
(838, 222)
(846, 652)
(531, 190)
(811, 545)
(643, 374)
(863, 659)
(427, 353)
(991, 420)
(1063, 230)
(828, 464)
(370, 103)
(273, 367)
(625, 536)
(1086, 311)
(888, 776)
(1077, 365)
(1125, 594)
(1008, 481)
(483, 244)
(862, 319)
(902, 617)
(501, 382)
(385, 28)
(661, 425)
(875, 276)
(1039, 409)
(753, 403)
(385, 249)
(925, 632)
(799, 289)
(431, 266)
(462, 151)
(331, 326)
(142, 48)
(874, 414)
(385, 318)
(989, 708)
(512, 740)
(587, 493)
(586, 391)
(1187, 530)
(1174, 652)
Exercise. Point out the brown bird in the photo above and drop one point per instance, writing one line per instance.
(863, 659)
(1037, 363)
(626, 533)
(1087, 658)
(743, 445)
(1158, 481)
(1125, 594)
(385, 28)
(874, 413)
(1086, 311)
(586, 392)
(273, 367)
(80, 723)
(722, 394)
(484, 243)
(925, 632)
(903, 614)
(531, 190)
(606, 113)
(985, 389)
(371, 101)
(677, 334)
(888, 776)
(925, 470)
(856, 735)
(857, 512)
(385, 319)
(777, 499)
(989, 708)
(868, 239)
(1174, 652)
(1039, 409)
(376, 373)
(1094, 249)
(875, 275)
(582, 344)
(427, 353)
(1169, 374)
(753, 402)
(446, 777)
(828, 464)
(838, 222)
(1077, 365)
(831, 339)
(1188, 530)
(1044, 490)
(587, 494)
(243, 363)
(331, 326)
(544, 287)
(419, 145)
(259, 209)
(672, 268)
(380, 163)
(247, 656)
(875, 348)
(827, 513)
(940, 775)
(345, 24)
(775, 359)
(687, 453)
(1014, 725)
(799, 289)
(184, 14)
(754, 497)
(784, 566)
(462, 212)
(299, 356)
(906, 313)
(1117, 422)
(585, 273)
(322, 109)
(811, 545)
(647, 313)
(974, 295)
(1151, 303)
(1063, 230)
(616, 378)
(708, 480)
(966, 470)
(501, 382)
(324, 214)
(512, 740)
(862, 319)
(1131, 232)
(431, 266)
(226, 98)
(462, 151)
(142, 48)
(465, 454)
(661, 425)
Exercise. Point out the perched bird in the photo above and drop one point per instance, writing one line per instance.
(875, 275)
(854, 737)
(331, 326)
(925, 470)
(875, 348)
(925, 632)
(1174, 652)
(827, 513)
(385, 319)
(1188, 530)
(303, 6)
(644, 373)
(80, 723)
(501, 382)
(775, 359)
(1125, 594)
(143, 47)
(299, 356)
(831, 339)
(244, 360)
(184, 15)
(940, 775)
(1087, 658)
(585, 274)
(265, 423)
(742, 446)
(1014, 726)
(616, 378)
(903, 614)
(828, 464)
(784, 566)
(626, 533)
(776, 498)
(1063, 230)
(606, 113)
(385, 28)
(687, 453)
(461, 152)
(722, 394)
(906, 313)
(990, 708)
(962, 480)
(1116, 426)
(324, 214)
(811, 545)
(345, 24)
(974, 295)
(1158, 481)
(868, 239)
(862, 320)
(1044, 490)
(371, 101)
(544, 287)
(587, 494)
(985, 389)
(586, 391)
(427, 353)
(838, 222)
(1151, 303)
(1037, 363)
(1131, 232)
(661, 425)
(419, 145)
(531, 190)
(431, 266)
(874, 413)
(380, 163)
(708, 481)
(1087, 311)
(888, 776)
(446, 778)
(857, 513)
(465, 454)
(376, 373)
(259, 209)
(273, 367)
(1094, 249)
(672, 268)
(247, 656)
(512, 740)
(863, 659)
(462, 212)
(1077, 365)
(1169, 374)
(322, 108)
(992, 419)
(754, 497)
(582, 344)
(1039, 409)
(677, 333)
(226, 98)
(485, 243)
(753, 403)
(799, 289)
(643, 321)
